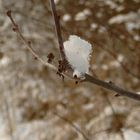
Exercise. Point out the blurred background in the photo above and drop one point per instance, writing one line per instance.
(35, 104)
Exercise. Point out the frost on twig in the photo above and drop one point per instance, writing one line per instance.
(78, 52)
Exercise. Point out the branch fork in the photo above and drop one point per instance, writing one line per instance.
(63, 64)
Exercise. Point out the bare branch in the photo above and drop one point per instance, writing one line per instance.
(30, 48)
(58, 30)
(28, 43)
(113, 87)
(88, 78)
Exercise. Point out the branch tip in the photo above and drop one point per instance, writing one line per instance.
(117, 95)
(14, 29)
(35, 58)
(9, 13)
(29, 42)
(76, 82)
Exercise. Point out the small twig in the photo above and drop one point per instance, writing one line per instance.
(64, 65)
(58, 30)
(88, 78)
(112, 86)
(30, 48)
(28, 43)
(72, 125)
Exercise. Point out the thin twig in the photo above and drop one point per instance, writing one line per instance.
(30, 48)
(28, 43)
(112, 86)
(88, 78)
(58, 30)
(73, 125)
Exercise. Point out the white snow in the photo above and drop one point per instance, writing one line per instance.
(56, 1)
(94, 26)
(88, 106)
(114, 63)
(78, 53)
(131, 21)
(113, 5)
(66, 17)
(131, 16)
(4, 61)
(131, 135)
(104, 67)
(82, 15)
(120, 58)
(137, 37)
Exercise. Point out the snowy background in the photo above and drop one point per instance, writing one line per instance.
(35, 104)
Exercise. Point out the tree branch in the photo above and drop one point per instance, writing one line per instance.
(88, 78)
(58, 30)
(28, 43)
(110, 86)
(113, 87)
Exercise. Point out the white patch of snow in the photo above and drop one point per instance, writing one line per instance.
(78, 53)
(137, 1)
(87, 12)
(108, 111)
(120, 8)
(131, 21)
(56, 1)
(94, 26)
(131, 135)
(137, 37)
(123, 18)
(66, 17)
(120, 58)
(82, 15)
(102, 29)
(114, 64)
(131, 26)
(104, 67)
(4, 61)
(111, 4)
(88, 106)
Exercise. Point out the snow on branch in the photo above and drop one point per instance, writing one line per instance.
(80, 69)
(78, 52)
(88, 78)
